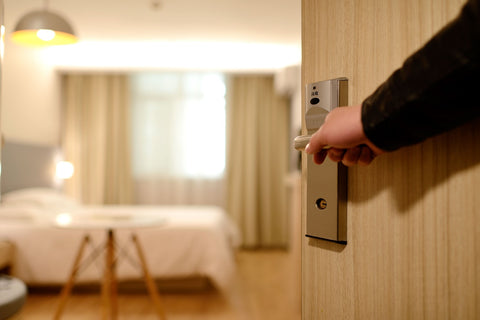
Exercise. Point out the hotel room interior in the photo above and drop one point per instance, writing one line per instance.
(177, 118)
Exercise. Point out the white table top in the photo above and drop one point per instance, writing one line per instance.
(107, 221)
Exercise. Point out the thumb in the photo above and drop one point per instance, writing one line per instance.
(317, 142)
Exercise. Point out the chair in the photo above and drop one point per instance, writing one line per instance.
(13, 293)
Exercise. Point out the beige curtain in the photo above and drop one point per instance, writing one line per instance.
(96, 137)
(257, 160)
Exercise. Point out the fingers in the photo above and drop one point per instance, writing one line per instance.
(336, 154)
(316, 143)
(366, 156)
(351, 156)
(360, 155)
(319, 157)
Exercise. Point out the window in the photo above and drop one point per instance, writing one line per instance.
(178, 125)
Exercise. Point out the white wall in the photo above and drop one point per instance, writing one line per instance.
(30, 98)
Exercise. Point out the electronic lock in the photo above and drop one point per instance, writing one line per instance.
(326, 207)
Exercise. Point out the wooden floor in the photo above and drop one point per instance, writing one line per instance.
(266, 288)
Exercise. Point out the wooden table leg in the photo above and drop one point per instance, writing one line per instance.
(70, 282)
(152, 288)
(109, 287)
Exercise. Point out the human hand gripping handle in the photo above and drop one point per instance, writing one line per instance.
(343, 132)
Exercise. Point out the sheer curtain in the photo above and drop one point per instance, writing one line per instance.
(96, 137)
(257, 160)
(178, 133)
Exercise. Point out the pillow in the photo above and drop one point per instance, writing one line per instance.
(17, 213)
(44, 198)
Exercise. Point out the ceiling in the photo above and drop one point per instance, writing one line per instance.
(165, 29)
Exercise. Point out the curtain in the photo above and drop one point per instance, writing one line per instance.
(178, 134)
(96, 137)
(257, 160)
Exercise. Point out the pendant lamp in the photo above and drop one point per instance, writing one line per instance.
(43, 28)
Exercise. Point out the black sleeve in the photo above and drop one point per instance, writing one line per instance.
(436, 89)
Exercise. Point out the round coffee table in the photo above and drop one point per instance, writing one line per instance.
(110, 222)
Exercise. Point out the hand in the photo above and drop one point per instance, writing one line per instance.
(343, 132)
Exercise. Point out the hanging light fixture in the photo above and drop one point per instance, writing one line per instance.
(43, 28)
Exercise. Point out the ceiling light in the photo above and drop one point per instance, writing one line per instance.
(43, 28)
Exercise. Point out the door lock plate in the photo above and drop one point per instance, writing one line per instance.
(326, 208)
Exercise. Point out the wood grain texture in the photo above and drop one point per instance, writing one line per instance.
(413, 216)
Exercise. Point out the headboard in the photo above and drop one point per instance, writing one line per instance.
(27, 166)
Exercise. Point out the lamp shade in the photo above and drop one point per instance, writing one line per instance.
(43, 28)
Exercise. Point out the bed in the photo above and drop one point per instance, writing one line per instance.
(188, 241)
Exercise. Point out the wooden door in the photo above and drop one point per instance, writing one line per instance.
(413, 247)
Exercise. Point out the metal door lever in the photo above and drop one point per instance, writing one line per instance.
(301, 142)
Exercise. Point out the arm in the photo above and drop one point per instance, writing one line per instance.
(434, 91)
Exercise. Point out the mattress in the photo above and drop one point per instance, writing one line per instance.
(182, 241)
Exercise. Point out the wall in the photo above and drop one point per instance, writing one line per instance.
(413, 247)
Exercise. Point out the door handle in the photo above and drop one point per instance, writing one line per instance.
(326, 207)
(300, 142)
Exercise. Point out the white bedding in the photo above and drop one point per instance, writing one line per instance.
(188, 241)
